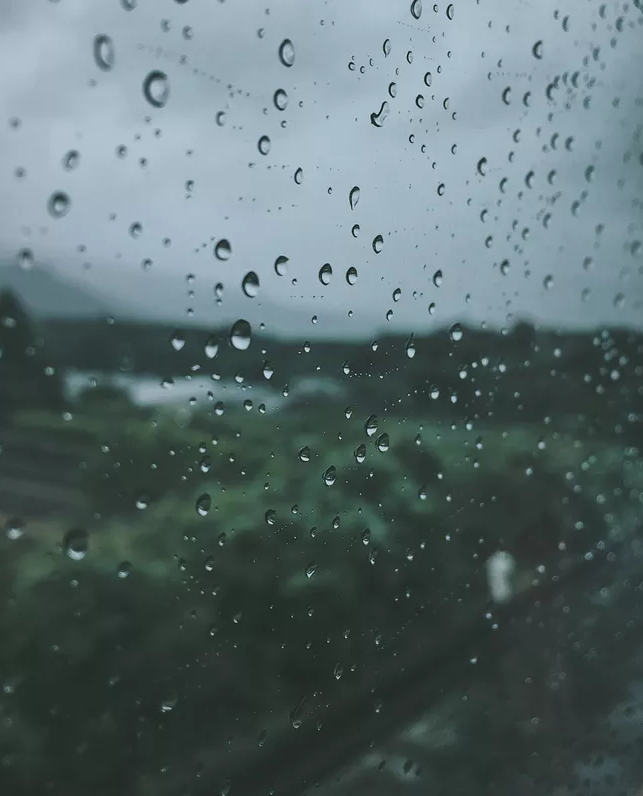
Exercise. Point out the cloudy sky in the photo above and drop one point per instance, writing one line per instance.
(548, 226)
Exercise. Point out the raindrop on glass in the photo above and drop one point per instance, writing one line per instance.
(287, 53)
(263, 145)
(240, 335)
(203, 503)
(280, 99)
(75, 544)
(353, 197)
(250, 284)
(104, 52)
(222, 249)
(59, 204)
(156, 88)
(325, 273)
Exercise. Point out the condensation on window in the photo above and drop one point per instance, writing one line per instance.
(321, 393)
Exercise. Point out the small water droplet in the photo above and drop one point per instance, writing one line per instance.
(124, 570)
(287, 53)
(241, 335)
(378, 244)
(304, 454)
(104, 52)
(211, 347)
(386, 47)
(371, 425)
(136, 229)
(482, 167)
(250, 284)
(76, 543)
(263, 145)
(416, 9)
(177, 340)
(456, 333)
(299, 176)
(351, 275)
(281, 265)
(437, 278)
(366, 536)
(383, 443)
(360, 453)
(537, 49)
(450, 11)
(311, 568)
(59, 204)
(325, 274)
(353, 197)
(14, 528)
(203, 504)
(410, 347)
(71, 160)
(156, 88)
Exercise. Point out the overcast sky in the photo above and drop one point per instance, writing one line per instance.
(224, 57)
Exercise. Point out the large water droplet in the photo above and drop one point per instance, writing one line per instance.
(325, 274)
(456, 333)
(378, 119)
(330, 475)
(416, 9)
(156, 88)
(287, 52)
(360, 453)
(378, 244)
(280, 98)
(450, 11)
(203, 504)
(59, 204)
(222, 249)
(75, 543)
(250, 284)
(371, 425)
(211, 347)
(299, 176)
(104, 52)
(240, 335)
(351, 275)
(281, 265)
(263, 145)
(353, 197)
(383, 443)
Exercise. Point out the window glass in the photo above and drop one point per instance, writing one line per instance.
(321, 393)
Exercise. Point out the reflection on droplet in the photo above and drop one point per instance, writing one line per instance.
(104, 52)
(75, 544)
(203, 504)
(330, 475)
(287, 53)
(377, 119)
(351, 275)
(280, 99)
(71, 160)
(281, 265)
(263, 145)
(222, 249)
(416, 9)
(156, 88)
(59, 204)
(325, 274)
(250, 284)
(378, 244)
(353, 197)
(241, 335)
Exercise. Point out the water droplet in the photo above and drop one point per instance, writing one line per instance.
(450, 11)
(419, 101)
(422, 493)
(124, 570)
(71, 160)
(548, 282)
(136, 229)
(386, 47)
(506, 95)
(325, 273)
(410, 347)
(416, 9)
(355, 230)
(330, 475)
(220, 118)
(377, 119)
(59, 204)
(222, 249)
(311, 568)
(268, 371)
(353, 197)
(366, 536)
(156, 88)
(351, 275)
(250, 284)
(104, 52)
(437, 278)
(299, 176)
(142, 502)
(241, 335)
(281, 265)
(371, 425)
(456, 333)
(211, 348)
(482, 167)
(263, 145)
(537, 49)
(25, 259)
(360, 453)
(304, 454)
(129, 5)
(177, 340)
(208, 564)
(280, 99)
(383, 443)
(378, 244)
(287, 53)
(14, 528)
(203, 504)
(75, 544)
(392, 90)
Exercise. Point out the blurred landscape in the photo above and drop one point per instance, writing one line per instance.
(234, 563)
